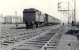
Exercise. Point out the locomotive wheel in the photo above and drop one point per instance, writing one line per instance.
(37, 25)
(27, 26)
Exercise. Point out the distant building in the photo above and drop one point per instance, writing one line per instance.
(13, 19)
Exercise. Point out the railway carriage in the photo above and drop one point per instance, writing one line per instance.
(52, 20)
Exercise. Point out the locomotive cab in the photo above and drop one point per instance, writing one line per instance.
(28, 17)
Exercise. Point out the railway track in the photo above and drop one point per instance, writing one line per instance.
(31, 34)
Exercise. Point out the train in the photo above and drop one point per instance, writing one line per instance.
(35, 18)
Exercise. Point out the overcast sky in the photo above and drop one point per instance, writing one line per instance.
(8, 7)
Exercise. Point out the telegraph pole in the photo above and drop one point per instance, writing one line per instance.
(68, 13)
(68, 10)
(74, 16)
(16, 18)
(74, 10)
